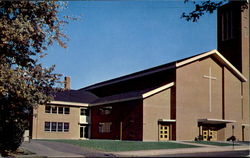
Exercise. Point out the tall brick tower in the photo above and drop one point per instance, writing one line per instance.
(233, 44)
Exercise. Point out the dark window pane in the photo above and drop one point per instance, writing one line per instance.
(60, 110)
(85, 112)
(59, 126)
(47, 109)
(105, 110)
(105, 127)
(53, 128)
(66, 111)
(66, 127)
(47, 126)
(54, 110)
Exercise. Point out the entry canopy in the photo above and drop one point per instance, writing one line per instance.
(166, 120)
(215, 121)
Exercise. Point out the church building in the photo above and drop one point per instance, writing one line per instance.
(205, 96)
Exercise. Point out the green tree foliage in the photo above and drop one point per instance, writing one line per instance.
(208, 6)
(27, 28)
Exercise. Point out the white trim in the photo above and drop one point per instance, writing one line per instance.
(230, 66)
(194, 58)
(166, 120)
(68, 103)
(219, 57)
(157, 90)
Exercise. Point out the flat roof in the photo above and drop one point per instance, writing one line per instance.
(215, 121)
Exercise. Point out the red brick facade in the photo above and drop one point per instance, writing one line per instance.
(129, 113)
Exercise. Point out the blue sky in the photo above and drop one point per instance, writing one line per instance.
(115, 38)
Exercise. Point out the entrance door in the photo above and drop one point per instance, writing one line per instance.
(209, 134)
(82, 129)
(213, 135)
(205, 134)
(164, 132)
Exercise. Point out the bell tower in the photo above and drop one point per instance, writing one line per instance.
(233, 44)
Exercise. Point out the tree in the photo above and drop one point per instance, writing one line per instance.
(27, 28)
(207, 6)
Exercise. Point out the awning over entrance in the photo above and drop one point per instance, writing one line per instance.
(215, 121)
(166, 120)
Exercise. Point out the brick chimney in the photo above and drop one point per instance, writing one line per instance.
(67, 83)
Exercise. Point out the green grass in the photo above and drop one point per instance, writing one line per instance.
(115, 145)
(214, 143)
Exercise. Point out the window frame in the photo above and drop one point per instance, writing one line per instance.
(68, 110)
(67, 130)
(46, 110)
(105, 127)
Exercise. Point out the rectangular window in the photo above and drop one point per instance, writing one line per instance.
(54, 109)
(84, 112)
(59, 126)
(105, 110)
(66, 110)
(53, 126)
(47, 126)
(66, 127)
(56, 126)
(47, 109)
(105, 127)
(60, 110)
(228, 29)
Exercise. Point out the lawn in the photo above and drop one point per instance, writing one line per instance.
(115, 145)
(214, 143)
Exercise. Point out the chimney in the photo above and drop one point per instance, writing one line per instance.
(67, 83)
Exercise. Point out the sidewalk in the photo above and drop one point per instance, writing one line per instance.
(55, 149)
(202, 149)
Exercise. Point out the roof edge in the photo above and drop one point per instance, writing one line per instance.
(157, 90)
(221, 58)
(68, 103)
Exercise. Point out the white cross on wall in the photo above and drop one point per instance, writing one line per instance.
(210, 77)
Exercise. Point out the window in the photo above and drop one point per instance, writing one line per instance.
(85, 112)
(57, 110)
(60, 110)
(66, 110)
(47, 109)
(105, 127)
(54, 110)
(228, 27)
(66, 127)
(47, 126)
(53, 126)
(105, 110)
(56, 126)
(59, 126)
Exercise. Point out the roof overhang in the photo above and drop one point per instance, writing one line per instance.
(215, 121)
(172, 65)
(115, 101)
(157, 90)
(68, 103)
(141, 96)
(166, 120)
(219, 57)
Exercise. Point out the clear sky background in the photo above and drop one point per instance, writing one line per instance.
(116, 38)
